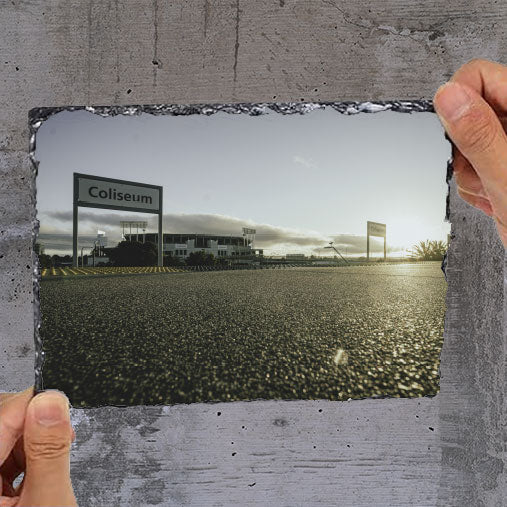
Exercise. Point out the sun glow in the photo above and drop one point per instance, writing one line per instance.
(404, 234)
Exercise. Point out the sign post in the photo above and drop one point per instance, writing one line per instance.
(107, 193)
(378, 230)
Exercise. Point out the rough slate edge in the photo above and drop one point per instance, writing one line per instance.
(37, 116)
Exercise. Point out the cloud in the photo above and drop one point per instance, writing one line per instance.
(58, 235)
(352, 244)
(267, 235)
(307, 163)
(62, 242)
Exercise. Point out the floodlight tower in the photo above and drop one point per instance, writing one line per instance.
(335, 249)
(249, 235)
(136, 224)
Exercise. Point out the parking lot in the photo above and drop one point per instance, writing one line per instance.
(299, 333)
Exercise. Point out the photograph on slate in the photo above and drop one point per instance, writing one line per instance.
(230, 257)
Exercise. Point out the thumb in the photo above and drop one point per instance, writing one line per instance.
(479, 135)
(47, 439)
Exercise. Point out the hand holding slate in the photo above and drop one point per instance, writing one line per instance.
(472, 107)
(35, 438)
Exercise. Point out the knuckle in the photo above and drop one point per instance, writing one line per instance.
(474, 65)
(51, 448)
(469, 185)
(466, 197)
(475, 62)
(471, 68)
(7, 430)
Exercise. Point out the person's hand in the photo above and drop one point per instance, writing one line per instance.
(35, 439)
(472, 107)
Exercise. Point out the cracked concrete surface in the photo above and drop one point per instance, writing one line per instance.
(447, 450)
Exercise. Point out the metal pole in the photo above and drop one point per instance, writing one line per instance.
(75, 260)
(160, 239)
(384, 248)
(336, 250)
(367, 246)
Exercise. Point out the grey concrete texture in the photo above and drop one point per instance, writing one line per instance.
(446, 450)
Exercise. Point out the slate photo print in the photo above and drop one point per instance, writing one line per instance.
(210, 256)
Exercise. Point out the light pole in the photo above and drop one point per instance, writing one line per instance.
(331, 246)
(93, 253)
(94, 248)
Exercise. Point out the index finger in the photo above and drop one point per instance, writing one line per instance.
(487, 78)
(12, 419)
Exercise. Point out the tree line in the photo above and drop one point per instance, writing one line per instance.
(132, 253)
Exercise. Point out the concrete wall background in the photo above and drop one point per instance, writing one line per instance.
(448, 450)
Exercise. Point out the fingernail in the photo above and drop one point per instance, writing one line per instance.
(51, 408)
(452, 101)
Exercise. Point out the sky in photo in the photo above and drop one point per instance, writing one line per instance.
(300, 180)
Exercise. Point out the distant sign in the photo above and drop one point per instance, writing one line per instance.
(376, 229)
(108, 193)
(246, 230)
(180, 246)
(222, 247)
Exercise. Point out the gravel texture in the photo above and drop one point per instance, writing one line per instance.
(301, 333)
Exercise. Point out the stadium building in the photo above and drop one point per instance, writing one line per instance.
(295, 257)
(182, 245)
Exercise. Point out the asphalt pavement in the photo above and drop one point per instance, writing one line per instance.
(302, 333)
